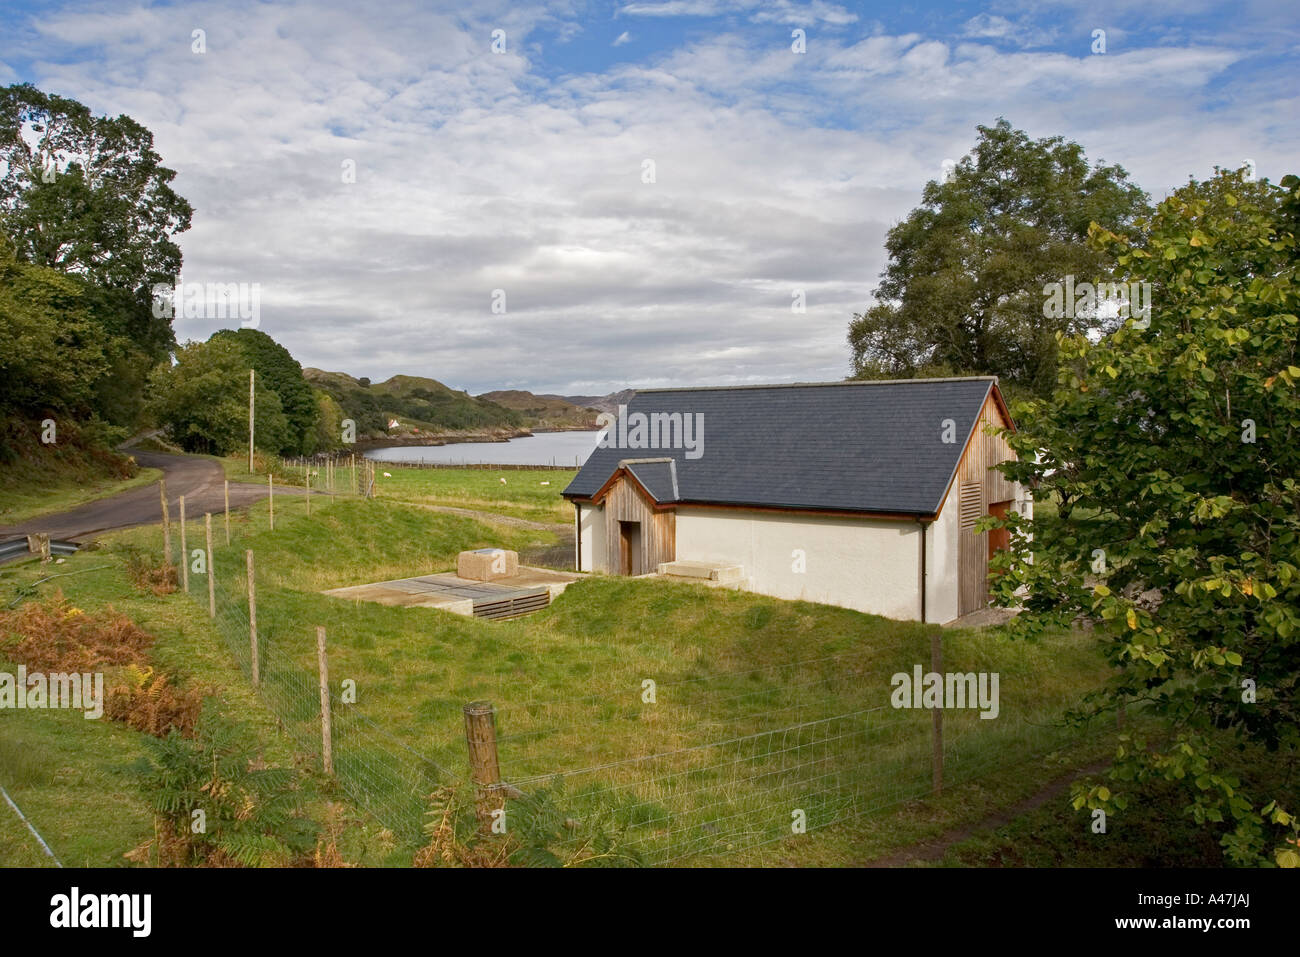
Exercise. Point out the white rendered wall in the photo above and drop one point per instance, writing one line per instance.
(941, 563)
(591, 538)
(870, 565)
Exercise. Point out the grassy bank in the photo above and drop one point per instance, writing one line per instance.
(759, 707)
(26, 493)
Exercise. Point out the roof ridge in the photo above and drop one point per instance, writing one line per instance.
(821, 385)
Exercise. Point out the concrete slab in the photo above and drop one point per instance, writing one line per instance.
(711, 571)
(529, 590)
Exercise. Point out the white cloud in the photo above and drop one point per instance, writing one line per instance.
(992, 27)
(478, 171)
(759, 11)
(621, 39)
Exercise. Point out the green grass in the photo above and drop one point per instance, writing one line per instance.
(70, 777)
(71, 773)
(21, 499)
(1155, 832)
(762, 705)
(522, 495)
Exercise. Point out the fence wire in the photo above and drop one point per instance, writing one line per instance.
(715, 764)
(381, 774)
(779, 757)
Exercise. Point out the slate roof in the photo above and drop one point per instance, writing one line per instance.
(658, 477)
(844, 446)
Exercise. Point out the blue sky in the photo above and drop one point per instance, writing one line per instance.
(776, 171)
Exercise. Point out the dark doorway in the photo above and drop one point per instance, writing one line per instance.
(999, 538)
(629, 543)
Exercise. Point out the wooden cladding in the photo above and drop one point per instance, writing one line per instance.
(979, 485)
(637, 538)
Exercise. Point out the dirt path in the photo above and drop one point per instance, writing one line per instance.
(933, 851)
(199, 480)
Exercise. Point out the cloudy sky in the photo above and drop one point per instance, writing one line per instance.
(525, 170)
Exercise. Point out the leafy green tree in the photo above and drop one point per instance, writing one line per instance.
(202, 400)
(329, 422)
(86, 194)
(962, 292)
(1172, 453)
(52, 351)
(281, 373)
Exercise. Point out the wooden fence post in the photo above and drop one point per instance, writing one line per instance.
(936, 666)
(270, 498)
(354, 473)
(227, 485)
(484, 770)
(167, 523)
(306, 481)
(212, 572)
(327, 745)
(39, 544)
(252, 619)
(185, 554)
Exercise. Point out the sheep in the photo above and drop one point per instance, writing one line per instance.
(388, 475)
(503, 481)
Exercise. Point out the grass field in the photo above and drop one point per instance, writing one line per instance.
(532, 494)
(759, 702)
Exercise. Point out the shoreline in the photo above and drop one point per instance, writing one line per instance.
(455, 438)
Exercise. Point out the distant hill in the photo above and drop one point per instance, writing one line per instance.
(601, 403)
(544, 411)
(427, 407)
(421, 406)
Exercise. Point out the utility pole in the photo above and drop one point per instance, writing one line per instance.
(250, 420)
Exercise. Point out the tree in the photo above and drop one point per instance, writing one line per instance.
(86, 194)
(329, 421)
(281, 373)
(87, 197)
(961, 293)
(203, 401)
(52, 352)
(1172, 453)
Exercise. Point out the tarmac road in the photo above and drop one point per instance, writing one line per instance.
(199, 480)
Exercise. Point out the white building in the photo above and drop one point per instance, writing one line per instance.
(859, 494)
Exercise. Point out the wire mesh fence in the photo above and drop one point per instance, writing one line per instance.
(714, 764)
(729, 762)
(380, 773)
